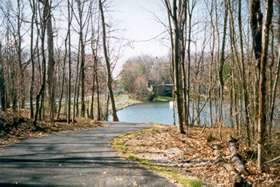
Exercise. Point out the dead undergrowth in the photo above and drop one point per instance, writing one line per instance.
(15, 127)
(194, 156)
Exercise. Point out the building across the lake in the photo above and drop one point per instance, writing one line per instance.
(163, 89)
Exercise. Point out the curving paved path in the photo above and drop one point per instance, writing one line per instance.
(83, 158)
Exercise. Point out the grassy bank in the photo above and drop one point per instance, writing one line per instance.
(124, 100)
(162, 99)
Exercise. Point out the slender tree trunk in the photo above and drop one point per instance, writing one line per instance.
(97, 93)
(78, 93)
(190, 14)
(92, 97)
(177, 71)
(276, 79)
(19, 54)
(274, 89)
(222, 62)
(243, 74)
(231, 103)
(240, 69)
(172, 65)
(235, 61)
(210, 68)
(33, 7)
(40, 98)
(2, 83)
(108, 65)
(176, 10)
(94, 72)
(70, 15)
(221, 69)
(63, 80)
(82, 56)
(76, 88)
(82, 69)
(13, 86)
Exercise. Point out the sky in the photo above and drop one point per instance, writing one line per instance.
(138, 23)
(135, 22)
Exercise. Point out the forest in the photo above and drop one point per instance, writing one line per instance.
(61, 68)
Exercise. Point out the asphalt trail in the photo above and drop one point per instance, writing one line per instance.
(80, 158)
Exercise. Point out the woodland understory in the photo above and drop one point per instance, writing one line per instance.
(203, 155)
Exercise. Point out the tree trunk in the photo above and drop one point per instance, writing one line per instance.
(19, 54)
(243, 74)
(70, 15)
(260, 35)
(97, 94)
(276, 79)
(63, 80)
(108, 65)
(76, 88)
(262, 82)
(222, 62)
(41, 95)
(33, 7)
(51, 84)
(2, 83)
(176, 15)
(82, 56)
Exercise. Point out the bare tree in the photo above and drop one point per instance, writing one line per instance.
(260, 35)
(108, 65)
(51, 61)
(63, 78)
(41, 31)
(31, 92)
(81, 5)
(19, 52)
(243, 72)
(70, 16)
(190, 10)
(177, 15)
(222, 62)
(2, 83)
(276, 79)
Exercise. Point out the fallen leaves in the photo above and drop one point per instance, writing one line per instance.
(15, 127)
(193, 154)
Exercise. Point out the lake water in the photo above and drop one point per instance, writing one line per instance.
(148, 113)
(162, 113)
(156, 113)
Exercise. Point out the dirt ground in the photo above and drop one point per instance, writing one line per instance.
(193, 154)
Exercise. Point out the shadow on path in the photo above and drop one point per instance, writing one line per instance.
(83, 158)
